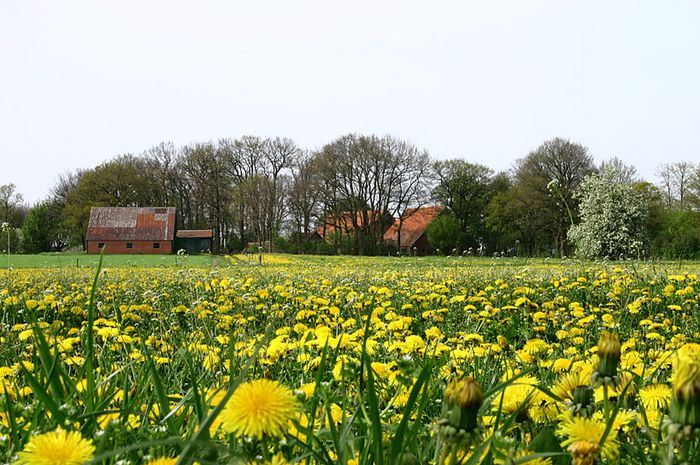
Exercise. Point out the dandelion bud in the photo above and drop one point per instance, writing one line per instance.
(685, 404)
(609, 353)
(584, 452)
(582, 401)
(463, 397)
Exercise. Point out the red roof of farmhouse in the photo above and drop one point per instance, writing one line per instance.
(131, 223)
(415, 222)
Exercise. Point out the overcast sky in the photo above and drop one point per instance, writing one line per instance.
(83, 81)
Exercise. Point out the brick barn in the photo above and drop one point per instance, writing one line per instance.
(131, 230)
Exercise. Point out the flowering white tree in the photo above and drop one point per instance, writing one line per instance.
(613, 213)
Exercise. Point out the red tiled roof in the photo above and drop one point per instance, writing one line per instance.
(194, 233)
(415, 222)
(131, 223)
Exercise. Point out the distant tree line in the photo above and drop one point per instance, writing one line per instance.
(269, 191)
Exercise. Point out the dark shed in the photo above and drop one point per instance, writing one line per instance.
(194, 241)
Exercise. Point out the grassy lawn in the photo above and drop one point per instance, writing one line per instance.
(56, 260)
(68, 260)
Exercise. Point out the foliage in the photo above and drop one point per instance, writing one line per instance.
(37, 229)
(541, 204)
(466, 188)
(120, 182)
(444, 232)
(255, 189)
(613, 215)
(678, 234)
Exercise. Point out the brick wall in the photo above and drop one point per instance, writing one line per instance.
(137, 247)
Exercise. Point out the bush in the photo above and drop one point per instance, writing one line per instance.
(444, 232)
(613, 214)
(678, 235)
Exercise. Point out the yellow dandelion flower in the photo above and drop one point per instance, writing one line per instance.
(516, 396)
(655, 396)
(623, 420)
(57, 447)
(561, 364)
(543, 409)
(536, 346)
(566, 384)
(162, 461)
(257, 408)
(588, 430)
(653, 417)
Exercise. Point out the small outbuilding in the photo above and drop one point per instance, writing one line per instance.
(194, 241)
(131, 230)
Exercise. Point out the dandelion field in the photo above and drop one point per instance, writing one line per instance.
(350, 360)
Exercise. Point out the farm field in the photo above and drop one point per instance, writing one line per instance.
(77, 260)
(349, 360)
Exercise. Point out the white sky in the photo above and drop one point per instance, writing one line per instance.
(83, 81)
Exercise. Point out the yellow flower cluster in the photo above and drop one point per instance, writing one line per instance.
(326, 340)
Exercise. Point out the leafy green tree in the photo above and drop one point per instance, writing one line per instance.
(541, 204)
(444, 231)
(120, 182)
(466, 188)
(37, 229)
(678, 234)
(613, 215)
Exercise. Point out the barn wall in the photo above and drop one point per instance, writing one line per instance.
(140, 247)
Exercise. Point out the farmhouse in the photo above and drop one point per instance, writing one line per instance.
(131, 230)
(414, 226)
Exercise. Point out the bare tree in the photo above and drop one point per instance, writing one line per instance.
(683, 173)
(547, 179)
(414, 178)
(304, 195)
(367, 180)
(211, 189)
(11, 209)
(676, 182)
(279, 156)
(665, 173)
(618, 172)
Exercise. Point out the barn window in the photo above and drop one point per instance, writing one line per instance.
(156, 245)
(100, 245)
(129, 245)
(160, 211)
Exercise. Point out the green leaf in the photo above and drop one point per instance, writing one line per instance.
(545, 442)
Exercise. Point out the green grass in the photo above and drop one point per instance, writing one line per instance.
(74, 260)
(62, 260)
